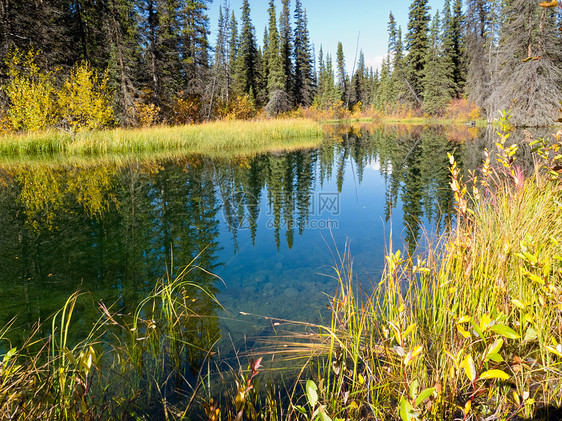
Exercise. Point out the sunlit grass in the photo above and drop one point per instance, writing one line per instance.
(216, 138)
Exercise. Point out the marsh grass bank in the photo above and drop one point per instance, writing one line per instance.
(210, 138)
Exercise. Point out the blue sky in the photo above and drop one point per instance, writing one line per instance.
(330, 21)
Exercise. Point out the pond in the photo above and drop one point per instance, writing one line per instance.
(265, 230)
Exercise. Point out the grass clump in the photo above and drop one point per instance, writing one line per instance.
(145, 365)
(471, 329)
(235, 136)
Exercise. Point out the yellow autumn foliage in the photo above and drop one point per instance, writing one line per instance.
(84, 100)
(31, 93)
(243, 108)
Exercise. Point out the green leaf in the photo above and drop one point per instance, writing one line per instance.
(505, 331)
(300, 409)
(414, 388)
(9, 355)
(312, 393)
(405, 409)
(477, 329)
(70, 356)
(495, 357)
(493, 352)
(530, 334)
(323, 415)
(424, 394)
(494, 374)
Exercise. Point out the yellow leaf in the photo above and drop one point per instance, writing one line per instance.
(467, 407)
(463, 332)
(485, 322)
(492, 353)
(416, 351)
(516, 397)
(533, 277)
(465, 319)
(554, 350)
(552, 3)
(469, 368)
(494, 374)
(518, 303)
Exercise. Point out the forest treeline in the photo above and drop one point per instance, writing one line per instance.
(84, 64)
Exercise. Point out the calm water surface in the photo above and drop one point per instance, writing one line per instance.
(269, 226)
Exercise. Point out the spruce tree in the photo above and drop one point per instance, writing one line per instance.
(124, 59)
(341, 74)
(194, 45)
(320, 79)
(246, 67)
(384, 92)
(261, 92)
(456, 48)
(302, 87)
(359, 82)
(327, 93)
(447, 43)
(286, 46)
(264, 62)
(333, 93)
(396, 88)
(416, 43)
(275, 71)
(161, 33)
(278, 100)
(392, 56)
(232, 53)
(436, 86)
(220, 66)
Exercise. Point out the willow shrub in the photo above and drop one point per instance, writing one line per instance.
(31, 93)
(36, 103)
(84, 100)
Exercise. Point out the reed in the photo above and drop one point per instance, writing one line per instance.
(236, 137)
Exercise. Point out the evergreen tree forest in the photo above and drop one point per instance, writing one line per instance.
(84, 64)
